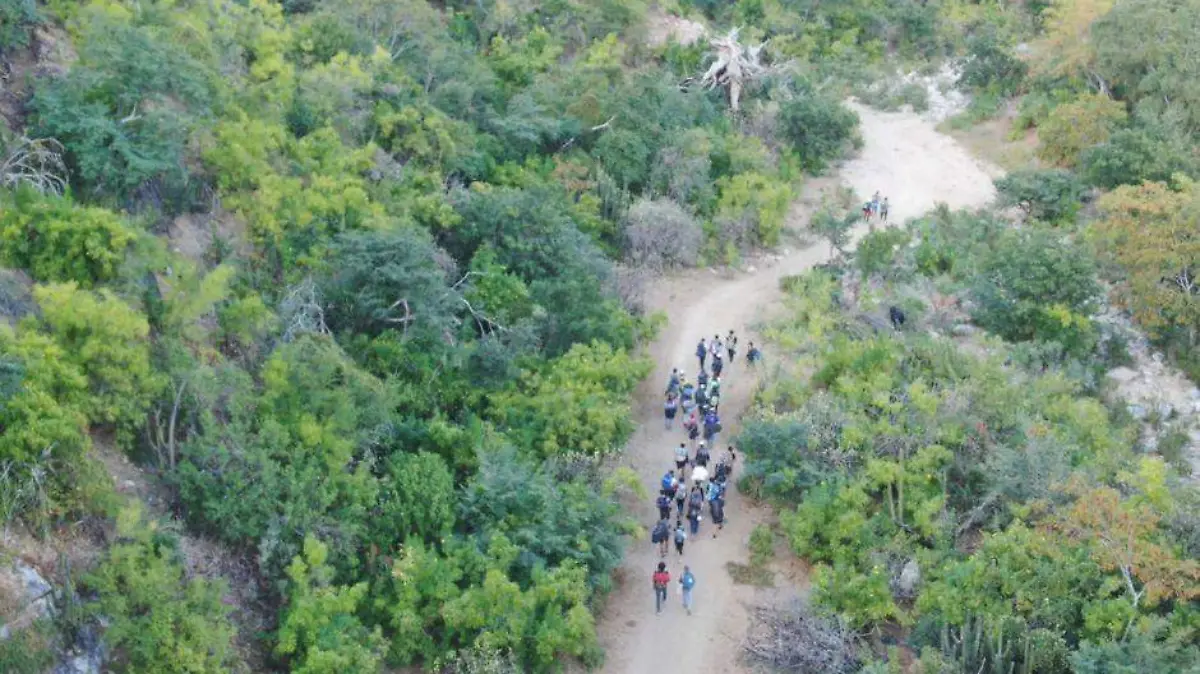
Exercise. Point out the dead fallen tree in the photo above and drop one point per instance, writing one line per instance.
(790, 638)
(735, 66)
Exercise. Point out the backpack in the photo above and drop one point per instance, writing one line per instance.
(695, 500)
(680, 537)
(667, 482)
(663, 501)
(688, 581)
(659, 534)
(661, 578)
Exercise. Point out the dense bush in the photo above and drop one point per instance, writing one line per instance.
(16, 18)
(817, 126)
(156, 619)
(59, 241)
(1051, 195)
(660, 233)
(1073, 127)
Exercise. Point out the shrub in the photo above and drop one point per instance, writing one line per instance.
(660, 233)
(108, 340)
(320, 632)
(1051, 195)
(59, 241)
(577, 403)
(990, 65)
(157, 619)
(1073, 127)
(818, 127)
(877, 251)
(16, 17)
(1133, 156)
(752, 209)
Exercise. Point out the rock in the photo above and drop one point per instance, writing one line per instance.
(963, 330)
(33, 598)
(1194, 394)
(1139, 412)
(1165, 410)
(85, 657)
(1122, 375)
(751, 269)
(910, 576)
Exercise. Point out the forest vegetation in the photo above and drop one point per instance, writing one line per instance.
(358, 284)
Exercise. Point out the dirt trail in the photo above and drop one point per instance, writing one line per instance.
(905, 158)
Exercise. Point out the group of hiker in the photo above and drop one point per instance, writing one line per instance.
(692, 483)
(876, 208)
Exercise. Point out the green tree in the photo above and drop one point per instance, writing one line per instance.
(1034, 286)
(320, 632)
(16, 18)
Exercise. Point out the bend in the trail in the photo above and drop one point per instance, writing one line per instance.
(906, 159)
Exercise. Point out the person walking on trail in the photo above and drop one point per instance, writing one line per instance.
(680, 499)
(866, 211)
(731, 346)
(718, 364)
(687, 581)
(702, 456)
(691, 424)
(702, 379)
(717, 510)
(712, 427)
(681, 456)
(668, 483)
(753, 355)
(715, 347)
(688, 397)
(695, 506)
(701, 352)
(883, 210)
(680, 536)
(660, 579)
(716, 492)
(663, 502)
(660, 535)
(674, 381)
(702, 397)
(670, 408)
(875, 203)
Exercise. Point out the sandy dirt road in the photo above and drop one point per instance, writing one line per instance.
(904, 158)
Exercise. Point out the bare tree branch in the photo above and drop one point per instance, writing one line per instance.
(37, 163)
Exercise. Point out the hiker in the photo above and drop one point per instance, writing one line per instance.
(674, 381)
(875, 203)
(668, 483)
(680, 498)
(714, 401)
(714, 387)
(692, 425)
(702, 379)
(702, 398)
(896, 316)
(699, 475)
(717, 510)
(687, 581)
(695, 505)
(663, 502)
(753, 355)
(660, 535)
(715, 347)
(702, 456)
(866, 211)
(731, 346)
(680, 536)
(681, 456)
(883, 210)
(701, 352)
(660, 579)
(718, 364)
(714, 492)
(712, 427)
(670, 407)
(688, 395)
